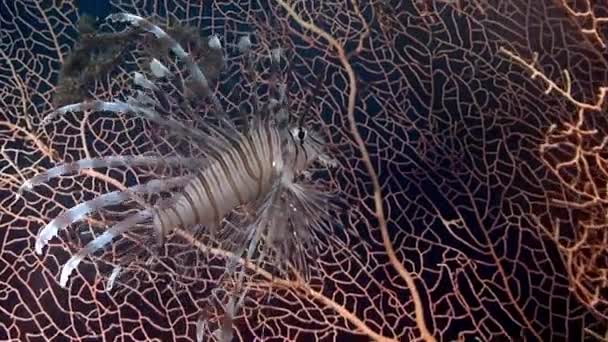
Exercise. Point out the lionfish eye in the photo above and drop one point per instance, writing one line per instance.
(301, 134)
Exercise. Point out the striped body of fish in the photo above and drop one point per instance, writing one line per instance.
(240, 174)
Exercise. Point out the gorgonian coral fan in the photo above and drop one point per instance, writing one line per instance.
(468, 136)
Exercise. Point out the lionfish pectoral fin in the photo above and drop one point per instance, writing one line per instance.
(101, 241)
(84, 209)
(101, 162)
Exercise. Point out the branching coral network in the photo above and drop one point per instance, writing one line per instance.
(589, 22)
(469, 148)
(576, 154)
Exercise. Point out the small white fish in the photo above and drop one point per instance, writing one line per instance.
(214, 42)
(276, 54)
(224, 333)
(144, 99)
(142, 81)
(201, 326)
(115, 273)
(282, 88)
(244, 44)
(158, 69)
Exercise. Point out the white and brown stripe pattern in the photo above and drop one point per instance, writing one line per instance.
(237, 175)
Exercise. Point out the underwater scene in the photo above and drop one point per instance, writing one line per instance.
(304, 170)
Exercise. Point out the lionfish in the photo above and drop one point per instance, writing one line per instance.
(263, 165)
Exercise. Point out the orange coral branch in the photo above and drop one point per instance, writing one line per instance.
(340, 309)
(566, 93)
(593, 31)
(404, 273)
